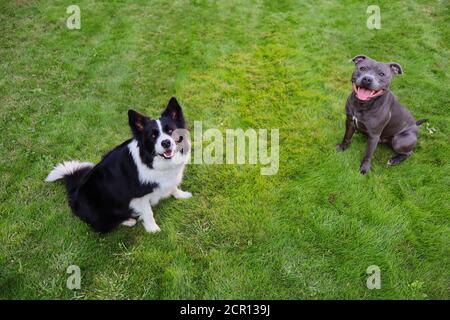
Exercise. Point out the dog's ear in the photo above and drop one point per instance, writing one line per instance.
(359, 58)
(137, 122)
(396, 68)
(173, 110)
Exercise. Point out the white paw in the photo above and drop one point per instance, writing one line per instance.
(182, 195)
(129, 223)
(152, 228)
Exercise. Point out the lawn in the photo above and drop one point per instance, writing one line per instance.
(308, 232)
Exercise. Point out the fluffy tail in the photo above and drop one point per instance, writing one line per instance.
(72, 172)
(67, 168)
(418, 123)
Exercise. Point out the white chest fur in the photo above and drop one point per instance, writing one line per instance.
(167, 173)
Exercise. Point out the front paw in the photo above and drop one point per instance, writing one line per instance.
(365, 167)
(152, 228)
(341, 147)
(182, 194)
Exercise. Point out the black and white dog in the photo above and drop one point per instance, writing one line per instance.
(134, 176)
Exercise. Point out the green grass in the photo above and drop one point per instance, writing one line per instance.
(309, 232)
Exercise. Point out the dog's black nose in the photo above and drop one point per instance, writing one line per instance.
(166, 143)
(367, 80)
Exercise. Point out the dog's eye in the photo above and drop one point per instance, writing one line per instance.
(362, 68)
(170, 131)
(381, 74)
(153, 136)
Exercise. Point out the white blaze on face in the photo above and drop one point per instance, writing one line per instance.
(168, 153)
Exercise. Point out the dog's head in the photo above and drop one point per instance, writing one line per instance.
(371, 78)
(161, 137)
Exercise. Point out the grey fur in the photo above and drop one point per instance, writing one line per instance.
(382, 118)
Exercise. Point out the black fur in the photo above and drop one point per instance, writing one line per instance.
(101, 195)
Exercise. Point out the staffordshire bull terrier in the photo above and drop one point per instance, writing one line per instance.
(373, 110)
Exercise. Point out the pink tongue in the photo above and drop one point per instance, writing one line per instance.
(363, 94)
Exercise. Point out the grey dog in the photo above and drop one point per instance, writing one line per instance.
(372, 109)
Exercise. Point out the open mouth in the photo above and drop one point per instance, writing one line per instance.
(365, 94)
(168, 154)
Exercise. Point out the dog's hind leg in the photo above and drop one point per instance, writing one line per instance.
(130, 222)
(403, 144)
(179, 194)
(397, 159)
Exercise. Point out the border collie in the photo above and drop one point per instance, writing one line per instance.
(132, 177)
